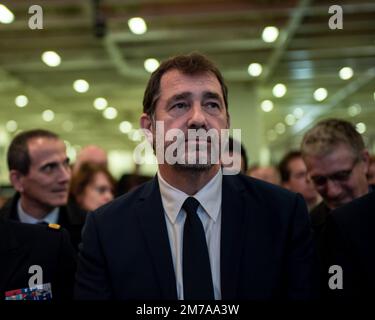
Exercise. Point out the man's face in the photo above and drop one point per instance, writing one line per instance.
(189, 102)
(339, 176)
(299, 181)
(46, 184)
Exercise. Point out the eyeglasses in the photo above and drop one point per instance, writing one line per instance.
(339, 176)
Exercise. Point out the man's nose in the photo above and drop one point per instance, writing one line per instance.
(64, 174)
(197, 116)
(333, 189)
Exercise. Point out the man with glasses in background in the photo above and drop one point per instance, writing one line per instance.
(337, 163)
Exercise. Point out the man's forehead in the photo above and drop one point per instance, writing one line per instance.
(41, 147)
(175, 80)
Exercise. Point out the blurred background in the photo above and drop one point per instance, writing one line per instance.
(83, 75)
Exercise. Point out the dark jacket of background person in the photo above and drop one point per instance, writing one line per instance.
(350, 231)
(23, 245)
(266, 246)
(69, 218)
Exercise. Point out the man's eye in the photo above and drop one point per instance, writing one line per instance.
(213, 105)
(179, 105)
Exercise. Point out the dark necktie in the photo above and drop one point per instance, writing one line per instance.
(196, 268)
(43, 223)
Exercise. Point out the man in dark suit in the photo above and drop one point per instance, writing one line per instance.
(39, 171)
(193, 232)
(23, 246)
(350, 230)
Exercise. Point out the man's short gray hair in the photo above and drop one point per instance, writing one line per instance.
(328, 134)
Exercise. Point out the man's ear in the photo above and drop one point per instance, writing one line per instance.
(16, 179)
(228, 121)
(366, 160)
(146, 122)
(147, 127)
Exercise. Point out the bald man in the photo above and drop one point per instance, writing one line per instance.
(91, 154)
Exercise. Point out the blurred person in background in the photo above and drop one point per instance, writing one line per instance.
(91, 187)
(371, 171)
(269, 174)
(294, 177)
(39, 172)
(337, 163)
(243, 155)
(91, 154)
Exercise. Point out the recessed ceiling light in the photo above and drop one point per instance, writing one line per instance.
(11, 126)
(354, 110)
(254, 69)
(21, 101)
(51, 58)
(125, 127)
(298, 112)
(279, 90)
(6, 16)
(320, 94)
(270, 34)
(81, 86)
(360, 127)
(48, 115)
(280, 128)
(346, 73)
(151, 65)
(100, 103)
(137, 25)
(110, 113)
(271, 135)
(290, 119)
(67, 125)
(267, 105)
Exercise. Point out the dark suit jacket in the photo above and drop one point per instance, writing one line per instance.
(23, 245)
(350, 234)
(71, 219)
(266, 246)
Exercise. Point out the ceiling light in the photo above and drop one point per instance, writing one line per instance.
(151, 65)
(48, 115)
(110, 113)
(320, 94)
(280, 128)
(354, 110)
(270, 34)
(81, 86)
(6, 16)
(279, 90)
(125, 127)
(298, 113)
(137, 25)
(360, 127)
(346, 73)
(68, 125)
(100, 103)
(271, 135)
(51, 58)
(21, 101)
(11, 126)
(290, 119)
(267, 105)
(254, 69)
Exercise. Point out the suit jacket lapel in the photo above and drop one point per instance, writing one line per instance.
(11, 256)
(232, 232)
(152, 221)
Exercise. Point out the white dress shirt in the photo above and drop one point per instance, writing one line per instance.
(52, 217)
(209, 212)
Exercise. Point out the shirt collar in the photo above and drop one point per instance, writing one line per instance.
(51, 217)
(173, 198)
